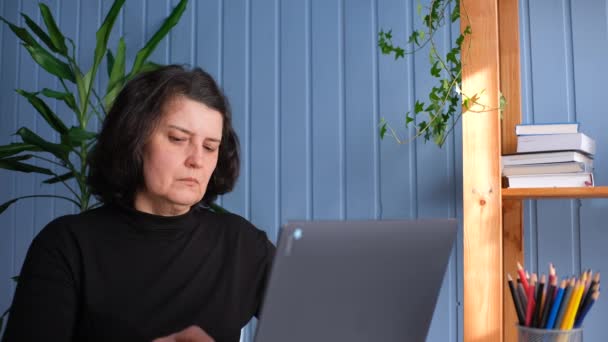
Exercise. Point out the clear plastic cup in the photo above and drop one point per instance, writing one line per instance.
(527, 334)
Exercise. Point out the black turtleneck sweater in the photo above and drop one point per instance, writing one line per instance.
(116, 274)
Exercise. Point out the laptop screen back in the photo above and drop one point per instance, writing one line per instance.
(356, 280)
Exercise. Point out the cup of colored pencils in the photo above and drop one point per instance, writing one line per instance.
(550, 309)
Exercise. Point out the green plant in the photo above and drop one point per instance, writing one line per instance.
(444, 100)
(78, 92)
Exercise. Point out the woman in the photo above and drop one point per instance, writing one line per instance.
(152, 261)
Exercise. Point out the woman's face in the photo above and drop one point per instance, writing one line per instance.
(179, 158)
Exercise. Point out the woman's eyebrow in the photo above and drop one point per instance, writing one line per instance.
(192, 133)
(182, 129)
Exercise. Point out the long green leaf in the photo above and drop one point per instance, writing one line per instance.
(56, 36)
(51, 118)
(167, 25)
(61, 178)
(3, 207)
(109, 62)
(68, 98)
(118, 67)
(14, 148)
(39, 32)
(81, 88)
(103, 34)
(49, 63)
(15, 164)
(108, 100)
(59, 151)
(21, 33)
(150, 66)
(77, 136)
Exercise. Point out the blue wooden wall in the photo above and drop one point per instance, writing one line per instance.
(308, 88)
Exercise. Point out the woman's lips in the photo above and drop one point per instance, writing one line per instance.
(189, 180)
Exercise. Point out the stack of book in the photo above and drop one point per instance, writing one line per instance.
(550, 155)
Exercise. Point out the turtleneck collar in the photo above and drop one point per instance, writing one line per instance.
(156, 225)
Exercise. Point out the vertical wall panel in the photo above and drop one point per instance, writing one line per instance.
(236, 85)
(326, 36)
(263, 134)
(295, 190)
(590, 46)
(359, 123)
(395, 98)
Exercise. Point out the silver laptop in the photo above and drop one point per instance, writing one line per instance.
(355, 280)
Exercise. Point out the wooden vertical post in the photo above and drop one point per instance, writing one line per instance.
(510, 85)
(482, 202)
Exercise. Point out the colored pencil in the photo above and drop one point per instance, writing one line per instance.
(573, 307)
(531, 301)
(540, 288)
(548, 302)
(565, 302)
(556, 305)
(594, 284)
(522, 276)
(516, 300)
(581, 318)
(522, 295)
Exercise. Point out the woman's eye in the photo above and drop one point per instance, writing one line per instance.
(176, 139)
(210, 148)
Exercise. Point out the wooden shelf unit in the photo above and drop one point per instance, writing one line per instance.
(493, 216)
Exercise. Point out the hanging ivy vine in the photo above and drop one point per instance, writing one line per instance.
(435, 117)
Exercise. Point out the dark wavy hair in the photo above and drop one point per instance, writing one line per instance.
(116, 163)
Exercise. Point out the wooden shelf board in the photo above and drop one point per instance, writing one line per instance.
(531, 193)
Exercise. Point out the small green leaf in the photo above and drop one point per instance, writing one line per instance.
(399, 52)
(49, 116)
(167, 25)
(408, 120)
(418, 107)
(61, 178)
(56, 36)
(14, 148)
(49, 63)
(455, 13)
(421, 34)
(436, 69)
(383, 130)
(15, 164)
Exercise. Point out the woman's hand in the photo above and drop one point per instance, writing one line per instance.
(190, 334)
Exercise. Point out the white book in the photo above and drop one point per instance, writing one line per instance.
(546, 128)
(545, 157)
(559, 180)
(533, 169)
(556, 142)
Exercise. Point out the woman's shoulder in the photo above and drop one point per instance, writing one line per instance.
(65, 225)
(233, 223)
